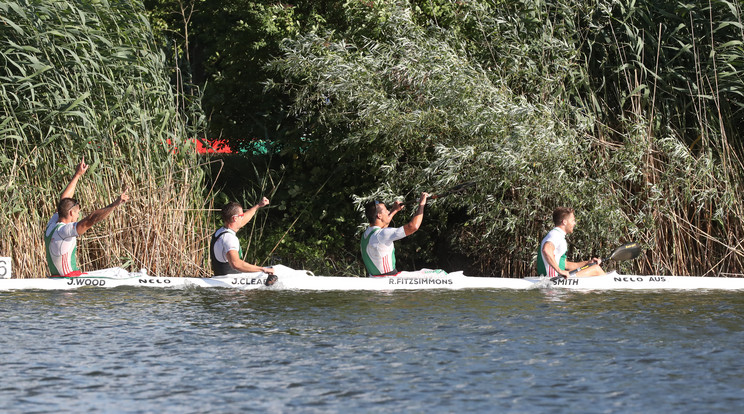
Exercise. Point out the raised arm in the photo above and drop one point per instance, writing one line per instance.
(418, 217)
(100, 214)
(248, 214)
(69, 191)
(397, 207)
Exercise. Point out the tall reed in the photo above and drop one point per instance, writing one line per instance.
(81, 79)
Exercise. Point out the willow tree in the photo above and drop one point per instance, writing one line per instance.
(84, 78)
(420, 115)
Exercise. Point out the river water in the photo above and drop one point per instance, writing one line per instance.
(139, 350)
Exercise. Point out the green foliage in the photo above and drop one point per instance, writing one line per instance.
(677, 63)
(628, 112)
(422, 116)
(224, 45)
(415, 105)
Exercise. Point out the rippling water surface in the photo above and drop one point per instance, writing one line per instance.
(139, 350)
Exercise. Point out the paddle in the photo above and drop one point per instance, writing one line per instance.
(627, 251)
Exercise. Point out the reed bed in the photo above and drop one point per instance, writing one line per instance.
(86, 79)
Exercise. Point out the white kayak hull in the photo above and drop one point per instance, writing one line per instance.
(116, 277)
(419, 280)
(615, 281)
(290, 279)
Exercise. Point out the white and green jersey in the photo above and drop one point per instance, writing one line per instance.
(223, 240)
(226, 240)
(378, 249)
(60, 240)
(558, 238)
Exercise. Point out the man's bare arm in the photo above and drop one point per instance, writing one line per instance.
(100, 214)
(418, 217)
(69, 191)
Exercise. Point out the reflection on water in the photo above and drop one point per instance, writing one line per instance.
(152, 350)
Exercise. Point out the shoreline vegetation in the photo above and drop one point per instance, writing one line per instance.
(632, 114)
(83, 79)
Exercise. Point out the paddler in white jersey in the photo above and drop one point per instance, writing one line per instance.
(551, 259)
(378, 250)
(60, 236)
(224, 250)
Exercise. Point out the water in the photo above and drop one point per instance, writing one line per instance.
(138, 350)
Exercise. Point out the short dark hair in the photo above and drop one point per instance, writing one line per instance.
(65, 205)
(370, 210)
(230, 209)
(560, 214)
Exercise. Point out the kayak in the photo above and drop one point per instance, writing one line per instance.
(116, 277)
(615, 281)
(289, 279)
(425, 279)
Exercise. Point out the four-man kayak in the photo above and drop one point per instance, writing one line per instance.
(291, 279)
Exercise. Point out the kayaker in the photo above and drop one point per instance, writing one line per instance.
(378, 250)
(551, 259)
(60, 236)
(225, 252)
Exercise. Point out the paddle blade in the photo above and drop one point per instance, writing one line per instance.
(627, 251)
